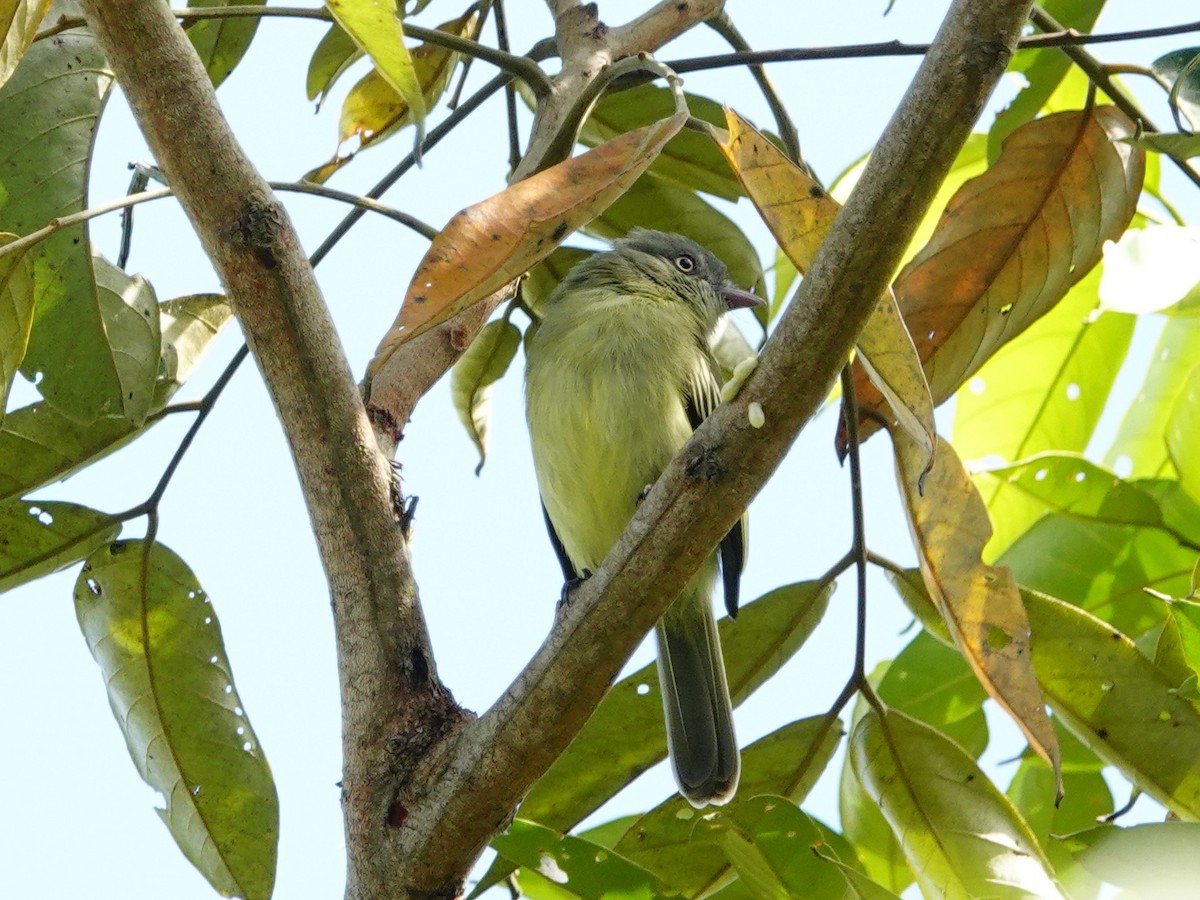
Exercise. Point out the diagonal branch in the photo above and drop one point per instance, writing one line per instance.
(709, 484)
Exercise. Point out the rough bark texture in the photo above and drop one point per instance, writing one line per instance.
(424, 787)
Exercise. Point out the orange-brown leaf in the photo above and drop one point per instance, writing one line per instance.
(980, 604)
(799, 214)
(489, 245)
(1013, 241)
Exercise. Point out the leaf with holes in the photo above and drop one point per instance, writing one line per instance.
(49, 107)
(625, 735)
(980, 604)
(799, 214)
(786, 762)
(1013, 241)
(39, 445)
(962, 837)
(471, 380)
(42, 536)
(154, 633)
(19, 20)
(489, 245)
(374, 25)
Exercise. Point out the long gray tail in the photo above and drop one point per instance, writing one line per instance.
(699, 714)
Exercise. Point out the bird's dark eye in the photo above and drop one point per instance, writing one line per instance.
(685, 263)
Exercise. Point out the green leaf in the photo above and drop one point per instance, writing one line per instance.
(42, 536)
(484, 363)
(39, 445)
(1177, 65)
(778, 851)
(1154, 860)
(581, 868)
(335, 53)
(625, 735)
(1139, 448)
(868, 831)
(132, 326)
(1150, 268)
(933, 683)
(1183, 435)
(16, 315)
(690, 159)
(154, 633)
(1045, 390)
(1102, 568)
(221, 43)
(1044, 69)
(1180, 145)
(654, 203)
(19, 20)
(50, 107)
(786, 762)
(1085, 793)
(1071, 485)
(962, 837)
(1115, 700)
(374, 25)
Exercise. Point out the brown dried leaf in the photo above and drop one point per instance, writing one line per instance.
(980, 604)
(1013, 241)
(489, 245)
(799, 214)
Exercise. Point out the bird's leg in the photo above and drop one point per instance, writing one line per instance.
(568, 586)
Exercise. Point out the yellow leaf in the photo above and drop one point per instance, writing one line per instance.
(799, 214)
(980, 604)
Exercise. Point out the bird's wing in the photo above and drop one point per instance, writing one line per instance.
(701, 395)
(568, 570)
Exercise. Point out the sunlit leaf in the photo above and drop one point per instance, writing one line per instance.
(582, 868)
(980, 604)
(786, 762)
(1043, 69)
(486, 360)
(962, 837)
(374, 25)
(39, 445)
(933, 683)
(689, 159)
(1152, 860)
(625, 735)
(1045, 390)
(1085, 799)
(19, 20)
(221, 43)
(799, 214)
(1149, 269)
(16, 315)
(155, 636)
(1139, 448)
(1183, 435)
(334, 54)
(1013, 241)
(41, 537)
(374, 110)
(50, 106)
(1117, 702)
(488, 245)
(776, 849)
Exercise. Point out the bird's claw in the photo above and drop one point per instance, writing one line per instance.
(568, 586)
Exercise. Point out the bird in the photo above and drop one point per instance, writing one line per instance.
(619, 373)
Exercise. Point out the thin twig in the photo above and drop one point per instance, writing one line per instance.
(859, 546)
(510, 93)
(723, 25)
(1097, 73)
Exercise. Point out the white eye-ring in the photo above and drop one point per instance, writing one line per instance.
(685, 263)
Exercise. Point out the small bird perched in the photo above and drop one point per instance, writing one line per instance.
(618, 375)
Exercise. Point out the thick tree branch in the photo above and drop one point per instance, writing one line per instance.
(389, 685)
(706, 488)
